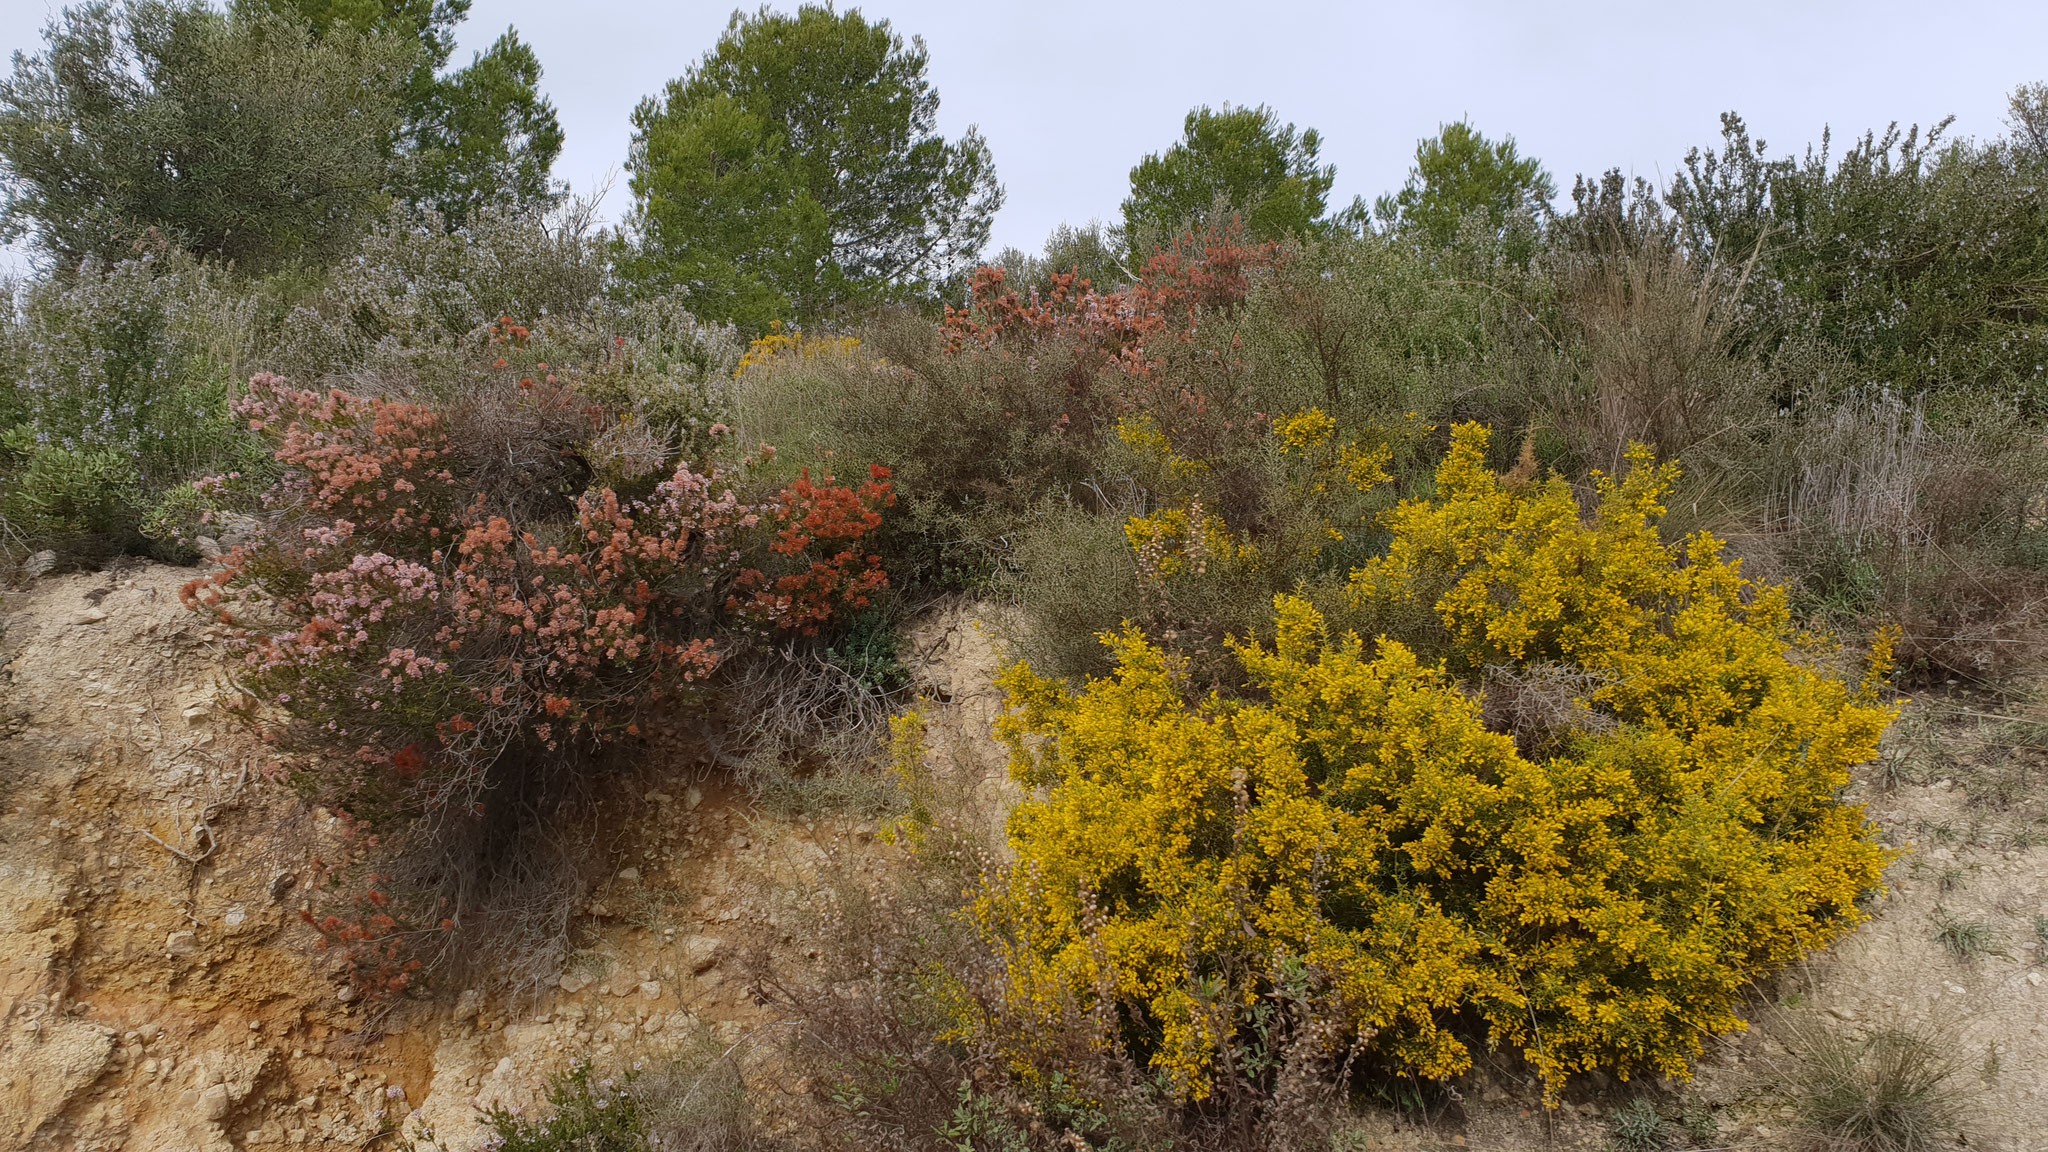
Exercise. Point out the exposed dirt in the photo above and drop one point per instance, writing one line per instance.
(158, 992)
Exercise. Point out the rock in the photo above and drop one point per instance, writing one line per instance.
(39, 564)
(39, 1077)
(650, 989)
(238, 528)
(196, 714)
(182, 944)
(692, 797)
(90, 616)
(345, 994)
(236, 917)
(573, 982)
(468, 1004)
(207, 547)
(2034, 979)
(213, 1103)
(652, 1025)
(630, 875)
(701, 952)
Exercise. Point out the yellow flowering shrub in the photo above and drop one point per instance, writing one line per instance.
(781, 343)
(1599, 902)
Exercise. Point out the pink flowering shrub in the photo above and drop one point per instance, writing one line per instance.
(393, 617)
(436, 643)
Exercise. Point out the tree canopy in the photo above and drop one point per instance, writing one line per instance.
(1458, 172)
(479, 135)
(233, 134)
(797, 168)
(263, 135)
(1240, 160)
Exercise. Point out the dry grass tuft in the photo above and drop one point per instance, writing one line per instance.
(1891, 1089)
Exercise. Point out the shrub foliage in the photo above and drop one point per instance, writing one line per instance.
(395, 611)
(1596, 898)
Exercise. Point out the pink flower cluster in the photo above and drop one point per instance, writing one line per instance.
(428, 627)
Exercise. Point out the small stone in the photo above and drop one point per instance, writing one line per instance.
(236, 917)
(650, 989)
(692, 797)
(630, 875)
(652, 1025)
(39, 564)
(574, 982)
(213, 1103)
(345, 994)
(182, 944)
(2034, 978)
(1958, 989)
(207, 547)
(701, 952)
(1847, 1015)
(740, 841)
(659, 798)
(90, 616)
(468, 1003)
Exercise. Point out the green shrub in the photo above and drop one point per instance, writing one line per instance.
(119, 378)
(1638, 1128)
(585, 1113)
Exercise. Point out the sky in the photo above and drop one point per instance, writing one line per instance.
(1069, 95)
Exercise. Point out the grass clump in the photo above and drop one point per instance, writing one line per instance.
(1893, 1089)
(1966, 940)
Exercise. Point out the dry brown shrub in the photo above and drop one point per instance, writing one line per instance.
(1659, 367)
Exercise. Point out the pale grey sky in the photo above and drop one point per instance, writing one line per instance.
(1070, 94)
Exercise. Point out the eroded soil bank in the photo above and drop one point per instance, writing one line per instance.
(158, 992)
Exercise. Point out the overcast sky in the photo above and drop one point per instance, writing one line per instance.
(1071, 94)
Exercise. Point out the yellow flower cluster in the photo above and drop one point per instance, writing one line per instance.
(1598, 903)
(1184, 541)
(1150, 445)
(779, 343)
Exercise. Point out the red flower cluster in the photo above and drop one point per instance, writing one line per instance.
(1112, 346)
(1212, 269)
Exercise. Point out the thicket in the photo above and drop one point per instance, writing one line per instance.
(1459, 559)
